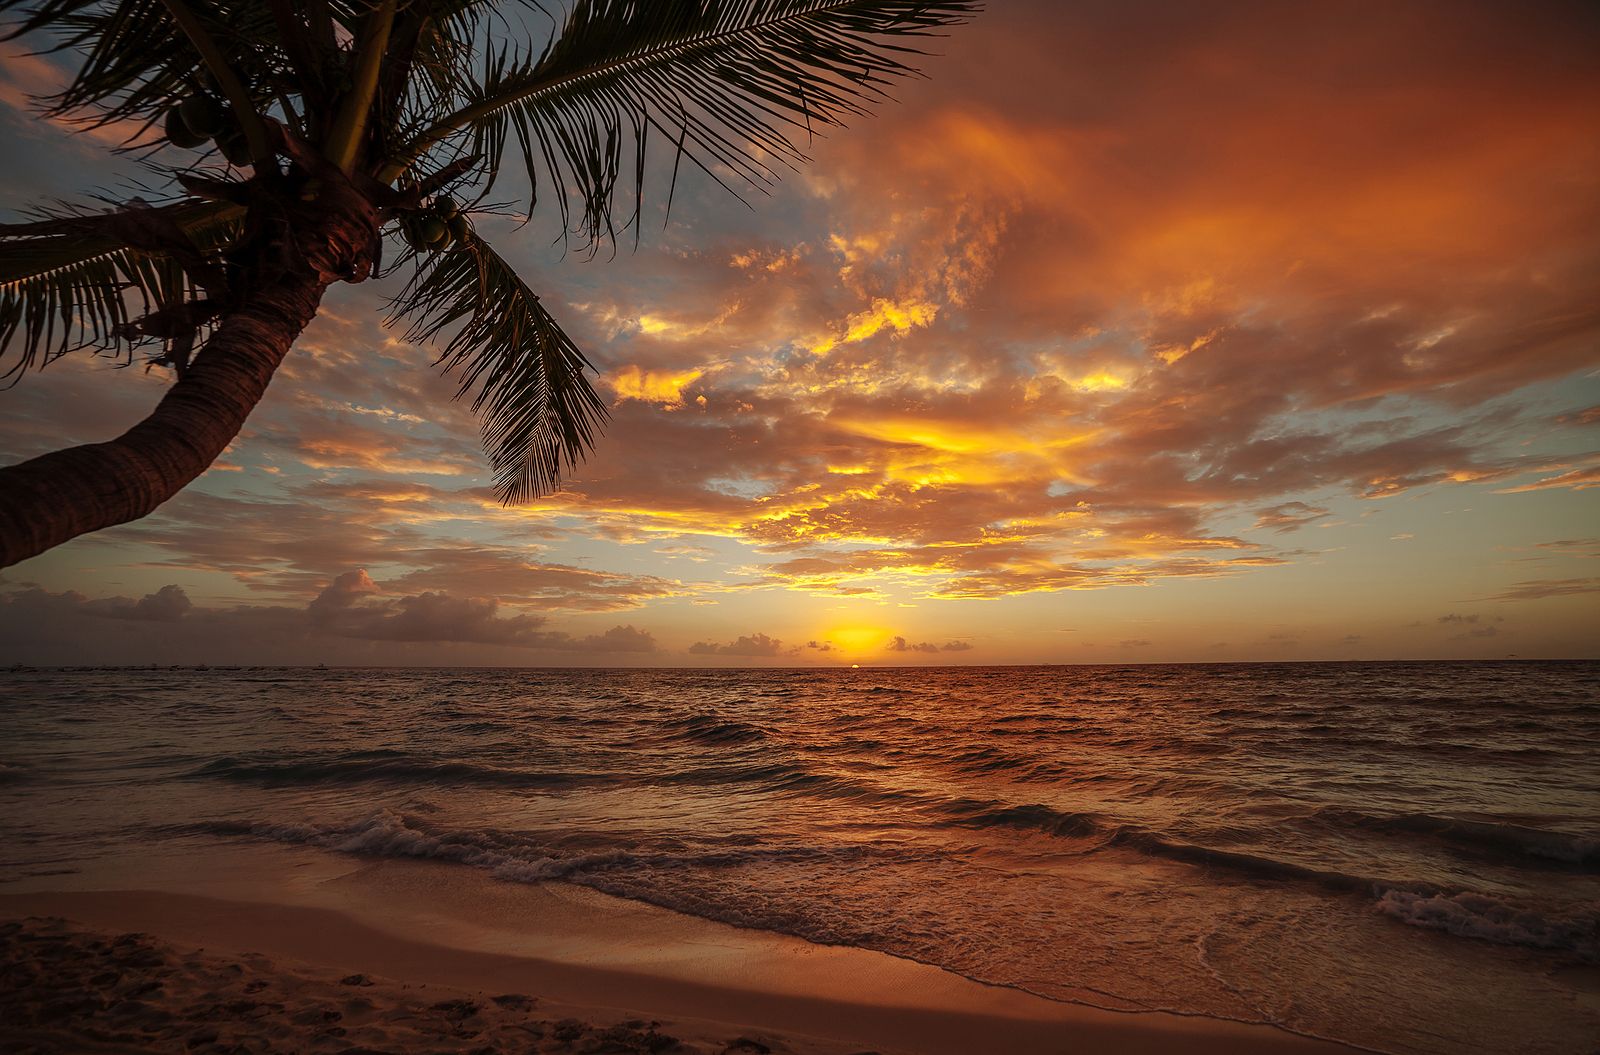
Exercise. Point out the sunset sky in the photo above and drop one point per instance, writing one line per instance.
(1138, 332)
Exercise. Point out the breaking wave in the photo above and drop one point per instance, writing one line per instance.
(505, 855)
(1470, 915)
(1515, 842)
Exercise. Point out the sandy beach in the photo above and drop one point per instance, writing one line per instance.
(305, 952)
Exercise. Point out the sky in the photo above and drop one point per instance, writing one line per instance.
(1137, 332)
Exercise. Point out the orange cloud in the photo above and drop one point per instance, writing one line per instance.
(1170, 292)
(661, 387)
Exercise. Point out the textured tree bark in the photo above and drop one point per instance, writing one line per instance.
(59, 496)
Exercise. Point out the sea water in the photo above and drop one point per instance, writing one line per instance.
(1403, 856)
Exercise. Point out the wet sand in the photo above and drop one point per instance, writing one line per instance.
(580, 971)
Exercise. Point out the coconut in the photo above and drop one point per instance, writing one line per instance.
(460, 227)
(234, 146)
(179, 134)
(416, 232)
(413, 237)
(204, 115)
(445, 206)
(433, 232)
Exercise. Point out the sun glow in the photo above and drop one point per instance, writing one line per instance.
(857, 639)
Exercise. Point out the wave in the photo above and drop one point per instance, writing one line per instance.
(789, 779)
(705, 729)
(386, 834)
(520, 858)
(972, 813)
(1471, 915)
(1459, 912)
(1319, 738)
(391, 766)
(1252, 866)
(512, 857)
(1511, 843)
(1073, 825)
(1508, 841)
(1046, 717)
(1081, 825)
(403, 768)
(992, 761)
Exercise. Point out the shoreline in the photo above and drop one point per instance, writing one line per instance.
(601, 959)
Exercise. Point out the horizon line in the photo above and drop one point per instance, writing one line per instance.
(18, 667)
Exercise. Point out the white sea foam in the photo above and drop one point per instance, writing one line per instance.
(385, 833)
(388, 834)
(1471, 915)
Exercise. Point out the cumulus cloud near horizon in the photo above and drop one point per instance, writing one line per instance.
(167, 605)
(353, 606)
(900, 644)
(752, 645)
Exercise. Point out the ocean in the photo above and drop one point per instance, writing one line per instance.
(1401, 856)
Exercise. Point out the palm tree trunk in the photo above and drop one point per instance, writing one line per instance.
(59, 496)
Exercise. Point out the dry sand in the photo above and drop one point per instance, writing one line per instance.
(65, 989)
(315, 953)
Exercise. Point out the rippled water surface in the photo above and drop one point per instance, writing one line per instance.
(1404, 856)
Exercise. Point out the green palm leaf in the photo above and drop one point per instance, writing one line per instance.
(67, 282)
(732, 84)
(538, 409)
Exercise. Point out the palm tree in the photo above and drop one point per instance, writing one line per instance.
(294, 139)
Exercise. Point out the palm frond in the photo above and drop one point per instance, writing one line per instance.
(736, 86)
(437, 68)
(137, 61)
(538, 410)
(69, 282)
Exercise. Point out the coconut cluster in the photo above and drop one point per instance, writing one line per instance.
(437, 227)
(201, 118)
